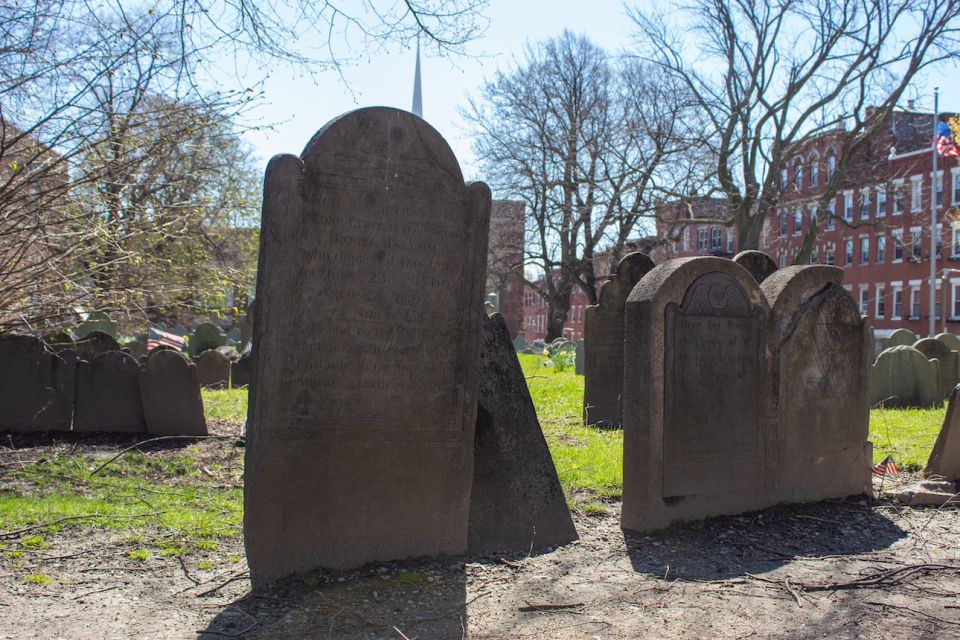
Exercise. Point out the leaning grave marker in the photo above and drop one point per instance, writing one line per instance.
(365, 349)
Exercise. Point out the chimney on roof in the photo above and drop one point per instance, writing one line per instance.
(910, 104)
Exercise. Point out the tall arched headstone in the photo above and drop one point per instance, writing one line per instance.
(901, 338)
(213, 369)
(36, 386)
(172, 405)
(696, 432)
(108, 394)
(204, 337)
(365, 349)
(821, 361)
(95, 343)
(603, 344)
(935, 349)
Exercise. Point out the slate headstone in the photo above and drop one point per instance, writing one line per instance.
(944, 461)
(519, 343)
(901, 338)
(95, 343)
(206, 336)
(97, 321)
(603, 344)
(108, 395)
(760, 265)
(235, 334)
(213, 369)
(936, 349)
(136, 348)
(952, 341)
(170, 390)
(365, 350)
(697, 438)
(36, 386)
(59, 341)
(821, 361)
(902, 377)
(516, 503)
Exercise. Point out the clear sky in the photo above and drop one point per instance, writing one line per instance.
(299, 107)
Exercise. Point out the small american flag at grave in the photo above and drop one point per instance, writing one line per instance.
(886, 467)
(156, 338)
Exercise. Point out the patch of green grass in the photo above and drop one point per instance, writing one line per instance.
(38, 579)
(33, 543)
(906, 434)
(225, 404)
(139, 554)
(410, 577)
(203, 565)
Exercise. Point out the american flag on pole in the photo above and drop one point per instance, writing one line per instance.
(886, 467)
(946, 146)
(155, 338)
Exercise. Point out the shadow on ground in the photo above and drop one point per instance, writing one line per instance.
(733, 546)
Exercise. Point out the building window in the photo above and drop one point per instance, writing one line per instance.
(915, 193)
(701, 239)
(939, 241)
(938, 187)
(916, 244)
(797, 222)
(686, 239)
(955, 291)
(864, 300)
(783, 260)
(828, 257)
(897, 235)
(881, 249)
(783, 224)
(729, 240)
(848, 206)
(831, 166)
(897, 304)
(813, 257)
(955, 240)
(881, 306)
(798, 176)
(914, 303)
(783, 179)
(898, 197)
(864, 204)
(955, 174)
(848, 251)
(881, 202)
(831, 212)
(715, 239)
(814, 171)
(864, 250)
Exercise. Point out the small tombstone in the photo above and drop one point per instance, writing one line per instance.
(366, 350)
(519, 343)
(235, 334)
(903, 377)
(516, 503)
(578, 364)
(821, 357)
(760, 265)
(952, 341)
(697, 438)
(170, 390)
(603, 344)
(538, 345)
(95, 343)
(240, 373)
(944, 460)
(213, 369)
(136, 348)
(206, 336)
(936, 349)
(108, 395)
(179, 330)
(36, 386)
(901, 338)
(97, 321)
(59, 341)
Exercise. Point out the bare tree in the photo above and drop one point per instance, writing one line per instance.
(574, 134)
(767, 76)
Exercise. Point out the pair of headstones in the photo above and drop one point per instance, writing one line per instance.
(364, 437)
(908, 376)
(739, 395)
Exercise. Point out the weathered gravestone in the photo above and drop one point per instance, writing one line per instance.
(821, 360)
(240, 370)
(236, 335)
(170, 390)
(519, 343)
(136, 348)
(538, 346)
(603, 344)
(760, 265)
(901, 338)
(36, 386)
(903, 377)
(365, 349)
(206, 336)
(95, 343)
(935, 349)
(516, 503)
(213, 369)
(59, 341)
(97, 321)
(944, 460)
(952, 341)
(697, 440)
(108, 395)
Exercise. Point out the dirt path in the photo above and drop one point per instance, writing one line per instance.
(832, 570)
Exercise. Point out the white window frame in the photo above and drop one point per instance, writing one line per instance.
(847, 251)
(897, 235)
(916, 244)
(848, 205)
(864, 203)
(898, 202)
(881, 248)
(832, 214)
(955, 191)
(880, 305)
(937, 187)
(864, 299)
(798, 222)
(955, 298)
(896, 290)
(916, 191)
(881, 201)
(864, 255)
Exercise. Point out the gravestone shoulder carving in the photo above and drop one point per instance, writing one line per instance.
(365, 349)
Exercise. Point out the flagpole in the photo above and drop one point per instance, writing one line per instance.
(933, 218)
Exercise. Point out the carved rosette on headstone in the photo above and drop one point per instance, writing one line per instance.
(108, 394)
(36, 386)
(603, 344)
(821, 350)
(696, 426)
(365, 350)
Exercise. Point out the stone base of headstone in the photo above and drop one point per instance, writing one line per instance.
(516, 502)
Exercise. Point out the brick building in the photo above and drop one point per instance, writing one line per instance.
(505, 287)
(878, 226)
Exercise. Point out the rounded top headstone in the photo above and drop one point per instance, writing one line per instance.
(902, 338)
(760, 265)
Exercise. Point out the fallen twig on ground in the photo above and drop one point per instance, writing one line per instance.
(159, 439)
